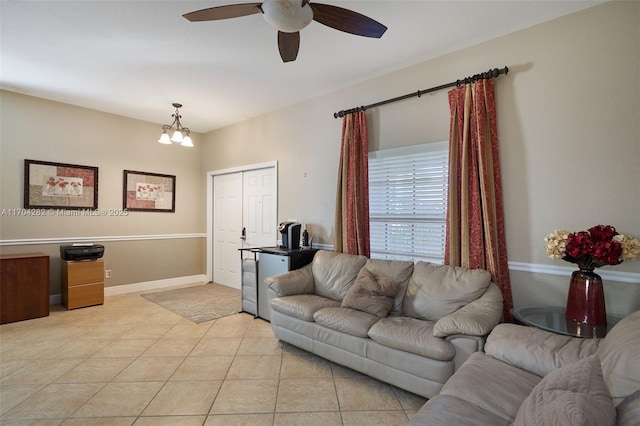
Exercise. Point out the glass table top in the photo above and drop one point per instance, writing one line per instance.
(553, 319)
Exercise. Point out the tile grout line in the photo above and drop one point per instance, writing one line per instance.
(176, 369)
(335, 387)
(247, 329)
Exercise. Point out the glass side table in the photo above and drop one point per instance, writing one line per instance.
(553, 319)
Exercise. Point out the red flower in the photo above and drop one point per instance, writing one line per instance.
(579, 244)
(596, 247)
(607, 252)
(602, 232)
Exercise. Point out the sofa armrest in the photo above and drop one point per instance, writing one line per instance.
(475, 319)
(465, 346)
(535, 350)
(298, 281)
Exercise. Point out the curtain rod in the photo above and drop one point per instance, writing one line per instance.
(489, 74)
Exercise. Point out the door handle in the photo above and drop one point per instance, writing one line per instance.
(244, 234)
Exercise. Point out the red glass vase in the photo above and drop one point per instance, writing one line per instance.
(585, 301)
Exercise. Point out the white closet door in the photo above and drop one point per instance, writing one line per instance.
(227, 229)
(245, 208)
(260, 208)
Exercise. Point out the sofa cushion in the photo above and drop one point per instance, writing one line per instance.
(334, 273)
(618, 353)
(448, 410)
(494, 386)
(402, 362)
(411, 335)
(575, 394)
(345, 320)
(301, 306)
(437, 290)
(629, 410)
(371, 293)
(396, 270)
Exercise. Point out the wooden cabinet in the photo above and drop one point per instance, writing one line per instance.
(24, 286)
(82, 283)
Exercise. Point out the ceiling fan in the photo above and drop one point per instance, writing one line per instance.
(290, 16)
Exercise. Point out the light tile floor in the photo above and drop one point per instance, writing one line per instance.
(131, 361)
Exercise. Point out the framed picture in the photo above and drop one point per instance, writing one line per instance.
(149, 192)
(59, 186)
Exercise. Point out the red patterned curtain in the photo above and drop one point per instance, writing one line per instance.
(352, 195)
(475, 217)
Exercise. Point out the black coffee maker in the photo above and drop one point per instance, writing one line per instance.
(290, 235)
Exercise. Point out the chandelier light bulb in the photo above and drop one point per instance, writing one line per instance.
(187, 141)
(164, 139)
(177, 136)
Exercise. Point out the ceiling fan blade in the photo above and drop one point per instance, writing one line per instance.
(288, 44)
(347, 20)
(223, 12)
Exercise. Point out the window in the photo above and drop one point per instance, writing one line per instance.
(408, 202)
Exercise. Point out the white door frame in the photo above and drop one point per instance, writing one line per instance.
(210, 176)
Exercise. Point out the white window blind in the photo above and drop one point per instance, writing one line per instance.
(408, 202)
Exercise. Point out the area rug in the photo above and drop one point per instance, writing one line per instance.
(199, 303)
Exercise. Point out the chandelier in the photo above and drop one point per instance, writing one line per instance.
(180, 133)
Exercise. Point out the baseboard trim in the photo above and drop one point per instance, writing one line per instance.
(56, 299)
(154, 285)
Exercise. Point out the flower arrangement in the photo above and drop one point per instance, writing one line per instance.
(593, 248)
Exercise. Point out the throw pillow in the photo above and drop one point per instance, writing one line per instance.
(371, 293)
(575, 394)
(396, 270)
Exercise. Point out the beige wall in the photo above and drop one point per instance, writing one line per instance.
(37, 129)
(568, 126)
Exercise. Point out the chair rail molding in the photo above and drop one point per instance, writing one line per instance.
(60, 240)
(538, 268)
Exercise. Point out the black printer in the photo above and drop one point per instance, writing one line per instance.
(81, 251)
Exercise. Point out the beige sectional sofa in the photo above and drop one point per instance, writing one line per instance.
(532, 377)
(408, 325)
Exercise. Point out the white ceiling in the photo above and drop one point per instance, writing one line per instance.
(136, 57)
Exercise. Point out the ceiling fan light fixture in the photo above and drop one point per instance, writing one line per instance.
(288, 16)
(180, 133)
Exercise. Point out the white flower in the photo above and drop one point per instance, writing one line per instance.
(630, 247)
(556, 243)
